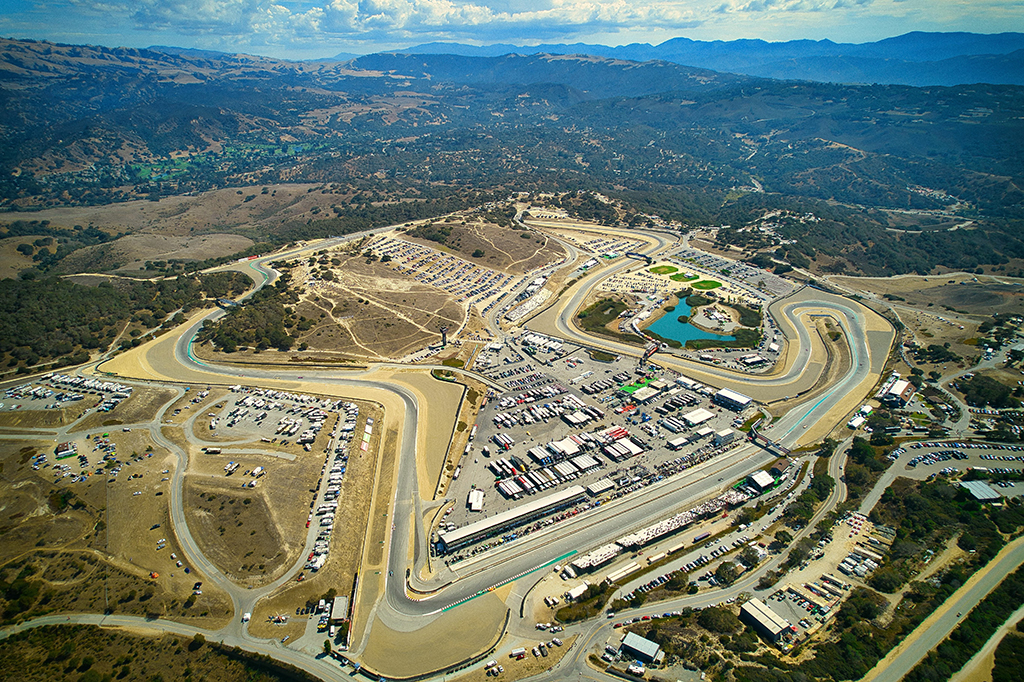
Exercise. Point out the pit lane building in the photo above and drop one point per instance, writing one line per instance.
(449, 541)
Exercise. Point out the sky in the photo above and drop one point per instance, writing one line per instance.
(310, 29)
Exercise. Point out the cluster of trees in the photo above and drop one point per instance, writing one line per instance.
(936, 354)
(20, 593)
(998, 330)
(263, 322)
(88, 653)
(435, 232)
(802, 508)
(926, 514)
(865, 463)
(597, 315)
(65, 240)
(52, 319)
(587, 606)
(1009, 658)
(981, 390)
(588, 207)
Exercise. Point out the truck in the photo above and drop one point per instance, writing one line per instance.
(258, 471)
(518, 652)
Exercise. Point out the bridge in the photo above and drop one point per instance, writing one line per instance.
(766, 442)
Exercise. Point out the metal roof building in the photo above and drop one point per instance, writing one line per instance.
(339, 609)
(640, 648)
(732, 399)
(759, 616)
(981, 491)
(899, 393)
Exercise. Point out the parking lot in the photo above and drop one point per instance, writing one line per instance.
(569, 420)
(463, 279)
(952, 458)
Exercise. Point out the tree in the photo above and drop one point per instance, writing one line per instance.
(749, 556)
(327, 647)
(719, 620)
(726, 572)
(746, 516)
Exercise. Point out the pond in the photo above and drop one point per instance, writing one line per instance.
(668, 326)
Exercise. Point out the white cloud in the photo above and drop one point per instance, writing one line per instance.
(315, 27)
(391, 17)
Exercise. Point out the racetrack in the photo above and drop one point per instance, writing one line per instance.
(384, 607)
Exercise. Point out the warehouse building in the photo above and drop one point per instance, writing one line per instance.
(759, 616)
(981, 491)
(697, 417)
(899, 394)
(725, 436)
(339, 609)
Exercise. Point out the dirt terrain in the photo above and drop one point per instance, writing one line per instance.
(12, 262)
(91, 545)
(370, 311)
(130, 253)
(935, 308)
(513, 251)
(142, 406)
(956, 294)
(62, 652)
(347, 542)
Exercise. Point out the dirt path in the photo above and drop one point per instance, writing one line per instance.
(979, 668)
(938, 613)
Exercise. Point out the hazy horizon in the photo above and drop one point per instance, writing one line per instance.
(312, 29)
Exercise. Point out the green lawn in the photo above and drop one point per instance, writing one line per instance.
(706, 284)
(683, 277)
(663, 270)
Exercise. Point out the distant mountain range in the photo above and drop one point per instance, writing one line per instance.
(917, 58)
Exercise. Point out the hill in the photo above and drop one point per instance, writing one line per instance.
(917, 58)
(391, 137)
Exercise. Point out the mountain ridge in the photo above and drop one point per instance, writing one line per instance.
(917, 58)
